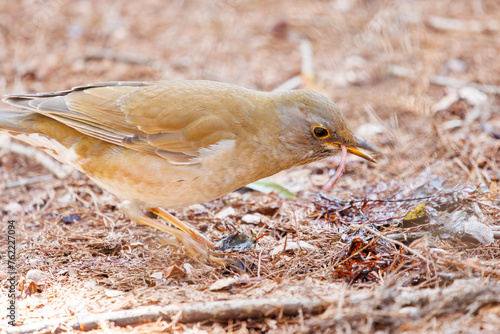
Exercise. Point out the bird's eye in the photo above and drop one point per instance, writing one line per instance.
(320, 132)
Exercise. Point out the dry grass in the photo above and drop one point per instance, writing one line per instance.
(103, 262)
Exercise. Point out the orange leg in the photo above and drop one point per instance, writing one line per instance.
(183, 226)
(197, 246)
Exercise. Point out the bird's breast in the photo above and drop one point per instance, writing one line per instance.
(155, 182)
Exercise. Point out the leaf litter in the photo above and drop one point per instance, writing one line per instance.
(427, 97)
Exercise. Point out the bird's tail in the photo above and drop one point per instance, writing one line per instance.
(15, 121)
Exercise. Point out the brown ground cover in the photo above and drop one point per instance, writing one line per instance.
(417, 79)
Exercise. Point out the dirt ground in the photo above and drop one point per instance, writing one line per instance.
(419, 80)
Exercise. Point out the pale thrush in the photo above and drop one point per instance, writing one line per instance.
(175, 143)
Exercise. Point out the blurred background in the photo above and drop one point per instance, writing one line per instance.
(396, 68)
(418, 79)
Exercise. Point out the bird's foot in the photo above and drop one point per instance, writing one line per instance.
(196, 245)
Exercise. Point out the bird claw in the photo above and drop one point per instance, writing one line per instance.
(196, 245)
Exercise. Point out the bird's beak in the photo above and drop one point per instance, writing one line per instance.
(356, 151)
(359, 149)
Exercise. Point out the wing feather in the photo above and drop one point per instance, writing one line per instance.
(172, 119)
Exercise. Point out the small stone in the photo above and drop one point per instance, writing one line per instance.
(251, 219)
(223, 283)
(473, 96)
(226, 212)
(293, 245)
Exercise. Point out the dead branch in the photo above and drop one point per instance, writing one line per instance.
(28, 181)
(290, 84)
(219, 310)
(406, 236)
(452, 24)
(307, 68)
(400, 244)
(441, 80)
(131, 58)
(463, 296)
(59, 170)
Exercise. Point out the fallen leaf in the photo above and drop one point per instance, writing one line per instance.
(226, 212)
(236, 242)
(173, 271)
(113, 293)
(267, 187)
(223, 283)
(416, 217)
(293, 245)
(461, 224)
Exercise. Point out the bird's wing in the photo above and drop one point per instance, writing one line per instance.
(173, 119)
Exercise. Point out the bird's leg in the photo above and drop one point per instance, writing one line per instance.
(196, 245)
(183, 226)
(194, 235)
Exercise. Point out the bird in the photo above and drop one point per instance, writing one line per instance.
(169, 144)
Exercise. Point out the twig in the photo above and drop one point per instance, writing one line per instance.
(406, 236)
(307, 68)
(219, 310)
(290, 84)
(400, 244)
(458, 298)
(441, 80)
(258, 266)
(31, 180)
(59, 170)
(344, 202)
(452, 24)
(132, 58)
(485, 204)
(306, 51)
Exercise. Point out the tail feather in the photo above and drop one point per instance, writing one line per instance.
(19, 102)
(55, 104)
(10, 120)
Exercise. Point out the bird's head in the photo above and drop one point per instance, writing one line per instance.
(313, 127)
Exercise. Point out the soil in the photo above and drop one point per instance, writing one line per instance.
(419, 80)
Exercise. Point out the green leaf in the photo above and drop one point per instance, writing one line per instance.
(267, 187)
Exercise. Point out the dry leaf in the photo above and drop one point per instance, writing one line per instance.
(223, 283)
